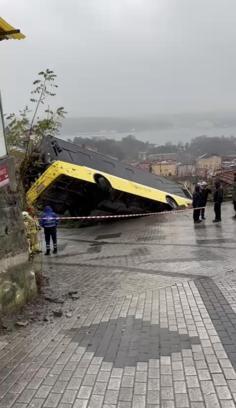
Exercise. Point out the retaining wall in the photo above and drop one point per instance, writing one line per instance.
(17, 273)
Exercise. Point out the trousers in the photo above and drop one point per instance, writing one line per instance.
(33, 242)
(196, 215)
(202, 213)
(50, 232)
(217, 209)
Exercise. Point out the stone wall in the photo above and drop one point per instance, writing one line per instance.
(11, 224)
(17, 275)
(17, 282)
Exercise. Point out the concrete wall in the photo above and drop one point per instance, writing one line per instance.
(17, 275)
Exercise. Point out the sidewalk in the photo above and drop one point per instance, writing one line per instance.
(148, 319)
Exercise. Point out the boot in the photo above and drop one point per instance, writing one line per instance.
(55, 251)
(47, 252)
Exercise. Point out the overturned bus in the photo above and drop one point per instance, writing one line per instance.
(80, 182)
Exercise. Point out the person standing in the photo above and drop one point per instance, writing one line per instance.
(234, 194)
(31, 228)
(218, 199)
(205, 191)
(197, 201)
(49, 222)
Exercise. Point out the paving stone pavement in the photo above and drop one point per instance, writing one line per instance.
(154, 325)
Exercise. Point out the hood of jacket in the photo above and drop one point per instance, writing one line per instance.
(48, 209)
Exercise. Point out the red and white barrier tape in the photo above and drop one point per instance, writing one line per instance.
(104, 217)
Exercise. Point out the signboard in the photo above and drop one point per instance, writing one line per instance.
(3, 149)
(4, 177)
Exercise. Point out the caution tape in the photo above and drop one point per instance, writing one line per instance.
(106, 217)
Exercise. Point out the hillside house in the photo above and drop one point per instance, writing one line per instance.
(165, 168)
(207, 165)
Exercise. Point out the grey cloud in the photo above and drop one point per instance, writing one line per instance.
(126, 57)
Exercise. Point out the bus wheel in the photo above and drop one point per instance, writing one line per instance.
(172, 203)
(102, 183)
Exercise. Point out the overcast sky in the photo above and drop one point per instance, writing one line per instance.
(123, 57)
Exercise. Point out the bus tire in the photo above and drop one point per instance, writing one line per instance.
(172, 203)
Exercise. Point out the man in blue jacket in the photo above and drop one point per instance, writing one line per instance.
(49, 222)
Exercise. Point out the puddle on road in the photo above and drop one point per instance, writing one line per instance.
(126, 341)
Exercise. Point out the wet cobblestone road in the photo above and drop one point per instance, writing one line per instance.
(154, 324)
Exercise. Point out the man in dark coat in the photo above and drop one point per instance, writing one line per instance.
(49, 222)
(234, 194)
(205, 191)
(197, 202)
(218, 199)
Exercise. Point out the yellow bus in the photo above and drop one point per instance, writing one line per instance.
(81, 182)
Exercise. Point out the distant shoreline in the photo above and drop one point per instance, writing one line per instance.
(154, 129)
(173, 135)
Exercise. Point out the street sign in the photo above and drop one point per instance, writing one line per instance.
(4, 177)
